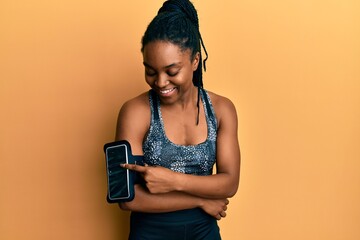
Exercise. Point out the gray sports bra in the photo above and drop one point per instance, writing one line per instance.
(193, 159)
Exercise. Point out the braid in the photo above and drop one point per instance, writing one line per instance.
(184, 6)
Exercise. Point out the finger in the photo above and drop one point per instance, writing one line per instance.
(146, 165)
(134, 167)
(222, 214)
(218, 216)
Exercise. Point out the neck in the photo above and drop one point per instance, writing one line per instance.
(190, 99)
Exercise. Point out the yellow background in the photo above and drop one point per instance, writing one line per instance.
(292, 68)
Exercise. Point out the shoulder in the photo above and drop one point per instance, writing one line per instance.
(224, 108)
(136, 105)
(134, 118)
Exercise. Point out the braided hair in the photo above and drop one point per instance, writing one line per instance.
(177, 22)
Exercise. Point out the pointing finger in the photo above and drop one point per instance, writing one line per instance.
(134, 167)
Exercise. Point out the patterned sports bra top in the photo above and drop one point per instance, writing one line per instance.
(192, 159)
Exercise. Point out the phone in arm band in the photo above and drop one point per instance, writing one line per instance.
(120, 181)
(118, 177)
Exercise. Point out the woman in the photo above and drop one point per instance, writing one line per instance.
(182, 130)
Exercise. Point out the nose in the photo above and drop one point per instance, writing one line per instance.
(161, 81)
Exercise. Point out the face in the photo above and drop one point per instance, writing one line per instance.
(169, 70)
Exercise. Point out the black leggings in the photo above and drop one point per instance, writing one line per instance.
(192, 224)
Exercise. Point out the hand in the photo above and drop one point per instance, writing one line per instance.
(215, 207)
(158, 179)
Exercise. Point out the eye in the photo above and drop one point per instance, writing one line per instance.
(150, 73)
(173, 73)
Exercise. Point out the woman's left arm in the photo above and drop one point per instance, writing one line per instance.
(224, 183)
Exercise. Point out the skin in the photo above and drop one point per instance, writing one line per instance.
(169, 71)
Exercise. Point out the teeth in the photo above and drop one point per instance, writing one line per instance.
(166, 91)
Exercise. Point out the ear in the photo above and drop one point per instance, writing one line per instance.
(195, 61)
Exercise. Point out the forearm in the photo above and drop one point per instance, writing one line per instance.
(157, 203)
(221, 185)
(160, 180)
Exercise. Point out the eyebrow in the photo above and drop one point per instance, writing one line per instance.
(168, 66)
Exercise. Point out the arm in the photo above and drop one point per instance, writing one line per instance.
(173, 201)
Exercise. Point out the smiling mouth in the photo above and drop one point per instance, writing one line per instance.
(167, 91)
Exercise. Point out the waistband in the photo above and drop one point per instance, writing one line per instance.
(186, 216)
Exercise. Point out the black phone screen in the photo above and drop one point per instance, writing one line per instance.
(118, 177)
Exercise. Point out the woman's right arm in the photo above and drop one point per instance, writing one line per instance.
(133, 124)
(145, 201)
